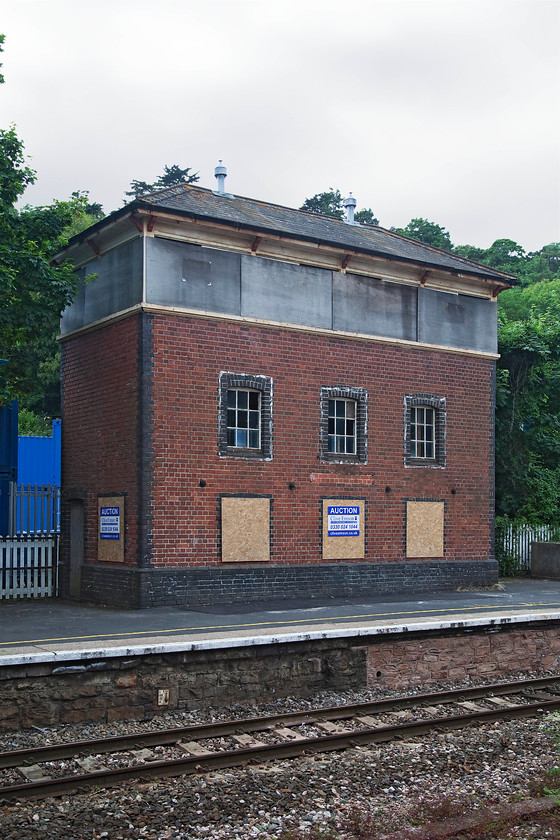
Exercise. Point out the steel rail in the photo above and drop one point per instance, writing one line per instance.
(142, 740)
(255, 754)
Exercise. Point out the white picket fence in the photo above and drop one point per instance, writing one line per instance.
(515, 543)
(29, 552)
(28, 567)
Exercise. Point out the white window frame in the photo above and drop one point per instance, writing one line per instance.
(423, 432)
(339, 425)
(245, 431)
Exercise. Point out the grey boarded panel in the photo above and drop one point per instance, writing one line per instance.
(373, 306)
(457, 320)
(116, 285)
(292, 294)
(73, 316)
(179, 274)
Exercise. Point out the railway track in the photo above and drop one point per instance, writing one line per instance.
(59, 769)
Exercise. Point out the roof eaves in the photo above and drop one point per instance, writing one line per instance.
(483, 270)
(155, 207)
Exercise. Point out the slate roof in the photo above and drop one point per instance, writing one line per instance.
(261, 217)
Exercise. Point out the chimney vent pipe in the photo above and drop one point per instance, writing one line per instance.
(350, 205)
(221, 174)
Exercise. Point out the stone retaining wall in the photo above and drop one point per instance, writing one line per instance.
(450, 658)
(123, 688)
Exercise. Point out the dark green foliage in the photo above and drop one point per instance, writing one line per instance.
(33, 292)
(427, 232)
(528, 402)
(175, 175)
(505, 255)
(170, 176)
(328, 203)
(30, 423)
(139, 188)
(365, 217)
(470, 252)
(91, 208)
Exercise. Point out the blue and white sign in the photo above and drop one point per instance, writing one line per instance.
(343, 521)
(109, 523)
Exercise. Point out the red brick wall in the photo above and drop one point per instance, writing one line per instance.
(100, 428)
(188, 355)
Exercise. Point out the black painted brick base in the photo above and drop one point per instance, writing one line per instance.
(136, 588)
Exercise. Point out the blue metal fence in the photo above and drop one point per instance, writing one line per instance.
(39, 458)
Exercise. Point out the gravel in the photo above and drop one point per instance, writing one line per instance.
(364, 792)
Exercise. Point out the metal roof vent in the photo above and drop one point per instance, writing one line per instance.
(221, 174)
(350, 205)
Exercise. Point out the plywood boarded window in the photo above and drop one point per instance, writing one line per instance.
(245, 529)
(424, 529)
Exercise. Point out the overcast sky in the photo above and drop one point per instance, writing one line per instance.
(441, 109)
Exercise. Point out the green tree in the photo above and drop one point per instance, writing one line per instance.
(328, 203)
(170, 176)
(91, 208)
(540, 265)
(428, 232)
(85, 213)
(470, 252)
(528, 404)
(33, 291)
(505, 255)
(175, 175)
(365, 217)
(331, 203)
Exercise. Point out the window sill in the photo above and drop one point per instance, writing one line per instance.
(240, 452)
(423, 462)
(341, 459)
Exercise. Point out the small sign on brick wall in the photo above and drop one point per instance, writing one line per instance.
(110, 536)
(109, 523)
(343, 521)
(343, 529)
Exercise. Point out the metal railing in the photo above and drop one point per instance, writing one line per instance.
(34, 509)
(513, 544)
(29, 551)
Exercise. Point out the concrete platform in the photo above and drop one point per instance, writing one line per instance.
(52, 630)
